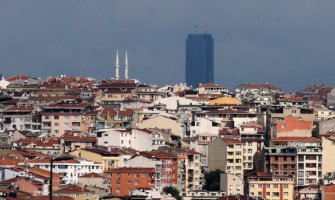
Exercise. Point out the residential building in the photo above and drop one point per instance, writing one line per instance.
(69, 170)
(62, 117)
(231, 184)
(109, 159)
(292, 127)
(227, 155)
(138, 139)
(126, 179)
(328, 192)
(270, 187)
(72, 141)
(76, 192)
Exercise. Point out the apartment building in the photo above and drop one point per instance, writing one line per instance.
(281, 160)
(226, 154)
(309, 165)
(328, 149)
(231, 184)
(252, 136)
(190, 170)
(138, 139)
(166, 166)
(20, 118)
(72, 141)
(271, 187)
(62, 117)
(125, 179)
(69, 170)
(292, 127)
(109, 159)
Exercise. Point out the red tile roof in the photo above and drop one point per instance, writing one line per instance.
(91, 175)
(133, 170)
(229, 132)
(291, 99)
(298, 139)
(231, 141)
(251, 125)
(19, 77)
(9, 161)
(291, 123)
(72, 189)
(20, 108)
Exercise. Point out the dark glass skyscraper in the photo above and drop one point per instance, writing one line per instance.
(199, 59)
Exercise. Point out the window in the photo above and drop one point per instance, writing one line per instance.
(56, 124)
(300, 174)
(56, 117)
(129, 182)
(117, 190)
(285, 185)
(275, 186)
(136, 182)
(275, 194)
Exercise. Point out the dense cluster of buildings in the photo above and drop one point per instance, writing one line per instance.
(129, 140)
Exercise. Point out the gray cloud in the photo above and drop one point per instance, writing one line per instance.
(289, 43)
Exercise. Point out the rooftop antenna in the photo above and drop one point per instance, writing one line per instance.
(195, 28)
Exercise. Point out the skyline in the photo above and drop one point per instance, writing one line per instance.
(288, 44)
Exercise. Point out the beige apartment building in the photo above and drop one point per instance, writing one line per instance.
(271, 187)
(62, 117)
(227, 155)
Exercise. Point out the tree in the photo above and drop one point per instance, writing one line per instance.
(212, 180)
(173, 191)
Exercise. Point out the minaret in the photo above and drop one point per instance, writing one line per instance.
(117, 66)
(126, 67)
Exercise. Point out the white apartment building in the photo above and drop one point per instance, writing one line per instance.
(138, 139)
(69, 170)
(309, 165)
(204, 125)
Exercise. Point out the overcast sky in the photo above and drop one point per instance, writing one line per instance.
(289, 43)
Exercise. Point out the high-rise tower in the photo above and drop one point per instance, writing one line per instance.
(199, 59)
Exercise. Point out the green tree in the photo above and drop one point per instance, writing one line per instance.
(173, 191)
(212, 180)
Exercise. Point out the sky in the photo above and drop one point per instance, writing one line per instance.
(289, 43)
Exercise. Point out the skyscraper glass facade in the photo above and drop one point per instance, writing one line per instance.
(199, 59)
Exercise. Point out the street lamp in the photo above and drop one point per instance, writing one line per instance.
(59, 158)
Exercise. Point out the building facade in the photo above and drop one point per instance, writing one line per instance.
(199, 59)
